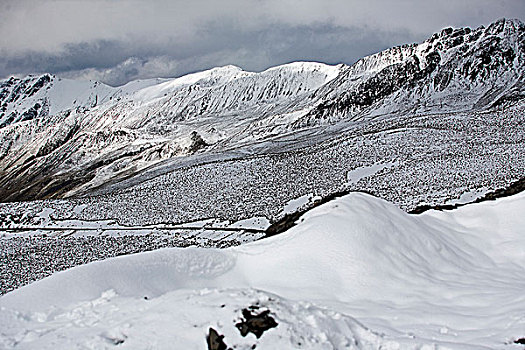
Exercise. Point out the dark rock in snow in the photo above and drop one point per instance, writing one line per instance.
(215, 340)
(520, 341)
(255, 323)
(197, 142)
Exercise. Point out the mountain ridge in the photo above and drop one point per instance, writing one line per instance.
(52, 148)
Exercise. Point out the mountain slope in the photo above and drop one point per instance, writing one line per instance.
(454, 70)
(145, 126)
(57, 144)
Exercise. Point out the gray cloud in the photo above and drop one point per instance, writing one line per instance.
(116, 41)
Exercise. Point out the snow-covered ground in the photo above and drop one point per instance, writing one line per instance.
(355, 273)
(353, 176)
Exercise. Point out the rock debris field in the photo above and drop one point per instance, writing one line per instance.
(409, 161)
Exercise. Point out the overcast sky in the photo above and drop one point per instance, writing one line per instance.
(115, 41)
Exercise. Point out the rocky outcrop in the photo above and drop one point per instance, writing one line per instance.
(454, 70)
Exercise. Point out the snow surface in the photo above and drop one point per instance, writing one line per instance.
(355, 273)
(256, 222)
(353, 176)
(300, 203)
(469, 196)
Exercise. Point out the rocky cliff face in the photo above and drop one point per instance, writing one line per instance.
(454, 70)
(61, 137)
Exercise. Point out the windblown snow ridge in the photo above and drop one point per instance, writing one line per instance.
(356, 270)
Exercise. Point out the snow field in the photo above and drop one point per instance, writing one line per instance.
(355, 273)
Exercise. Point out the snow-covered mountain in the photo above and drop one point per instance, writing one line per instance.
(224, 157)
(40, 96)
(454, 70)
(123, 129)
(60, 137)
(355, 273)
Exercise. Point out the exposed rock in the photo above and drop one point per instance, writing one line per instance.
(40, 83)
(215, 340)
(197, 142)
(255, 323)
(520, 341)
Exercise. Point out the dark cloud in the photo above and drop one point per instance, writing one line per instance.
(98, 54)
(117, 41)
(116, 62)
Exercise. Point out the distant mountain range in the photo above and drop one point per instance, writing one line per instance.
(61, 137)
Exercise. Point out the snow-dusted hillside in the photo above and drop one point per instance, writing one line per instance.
(46, 95)
(39, 96)
(61, 137)
(355, 273)
(118, 132)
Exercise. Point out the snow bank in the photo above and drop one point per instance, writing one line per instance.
(355, 273)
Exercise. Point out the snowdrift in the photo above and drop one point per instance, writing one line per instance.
(355, 273)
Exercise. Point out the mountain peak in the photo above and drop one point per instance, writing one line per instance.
(502, 24)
